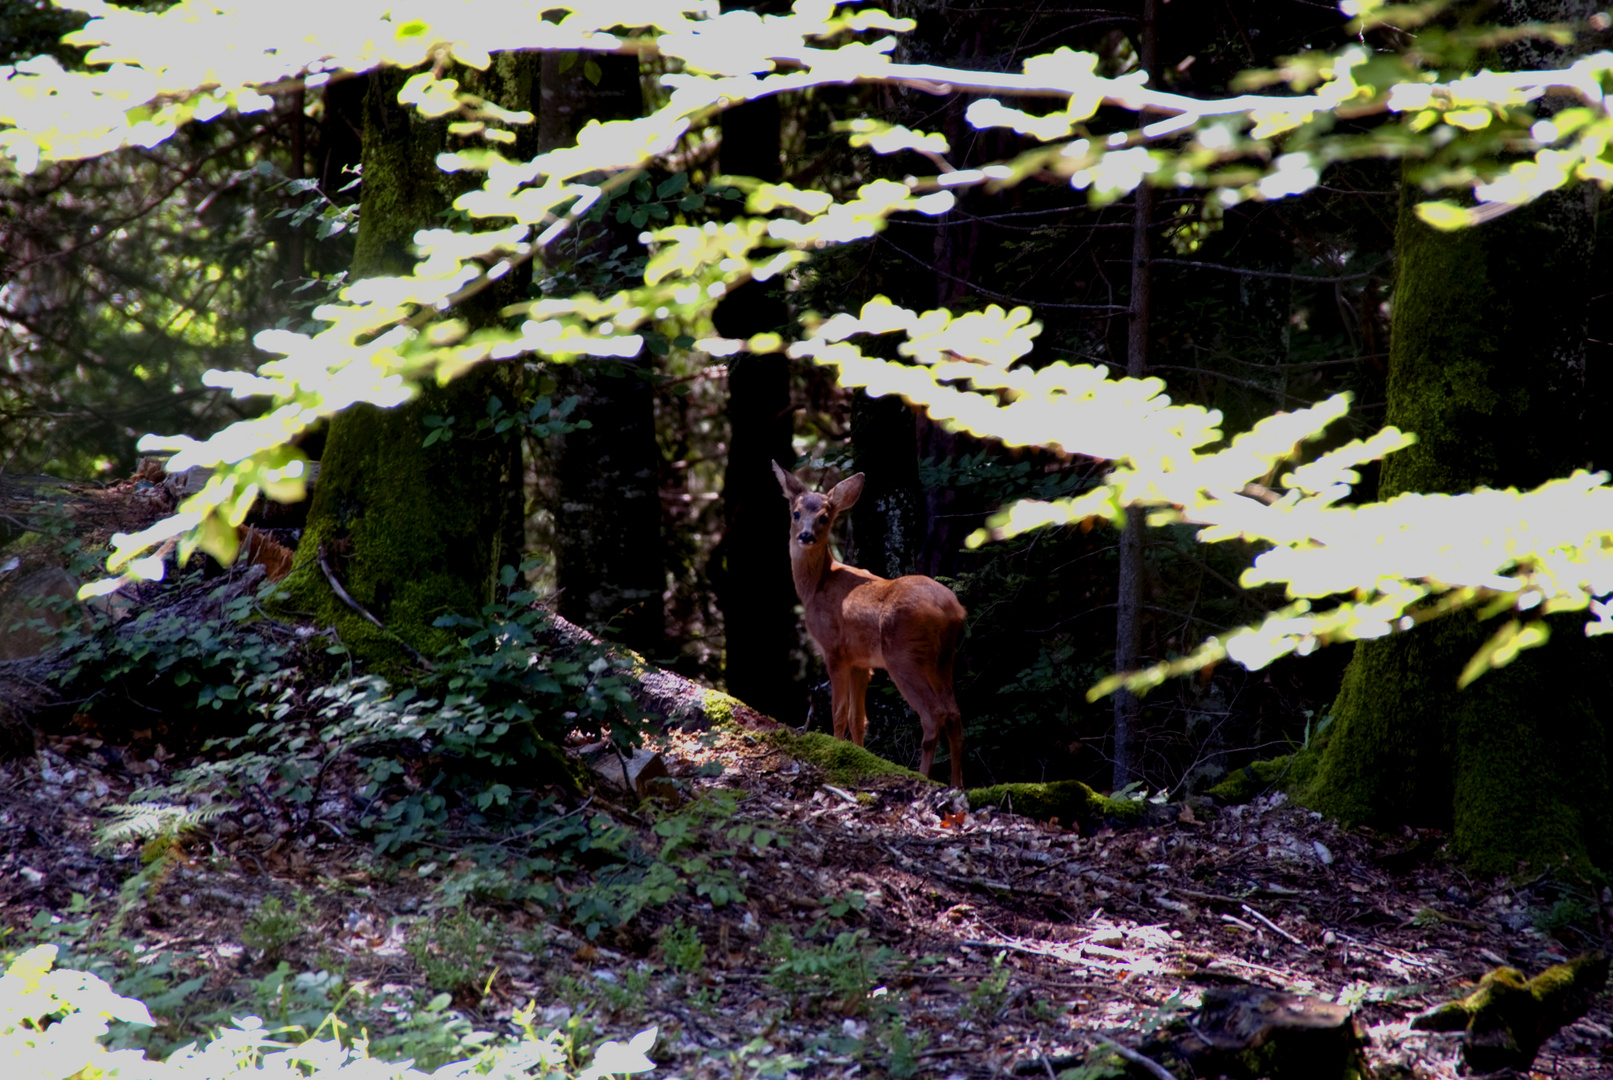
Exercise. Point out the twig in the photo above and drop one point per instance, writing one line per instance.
(1137, 1059)
(341, 593)
(1271, 924)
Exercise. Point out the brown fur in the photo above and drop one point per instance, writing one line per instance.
(860, 621)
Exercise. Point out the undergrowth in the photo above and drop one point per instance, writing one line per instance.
(459, 778)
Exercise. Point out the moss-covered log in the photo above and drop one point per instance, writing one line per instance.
(1508, 1018)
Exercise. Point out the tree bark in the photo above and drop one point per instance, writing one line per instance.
(1490, 375)
(753, 565)
(608, 551)
(413, 532)
(1129, 583)
(887, 524)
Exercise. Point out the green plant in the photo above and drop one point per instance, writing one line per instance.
(54, 1023)
(165, 655)
(838, 907)
(759, 1058)
(454, 953)
(682, 949)
(274, 926)
(544, 418)
(989, 996)
(160, 830)
(689, 845)
(1567, 912)
(900, 1050)
(840, 973)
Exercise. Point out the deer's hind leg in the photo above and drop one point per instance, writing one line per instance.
(929, 691)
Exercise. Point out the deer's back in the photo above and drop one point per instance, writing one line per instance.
(863, 618)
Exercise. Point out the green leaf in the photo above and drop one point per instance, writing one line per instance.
(672, 185)
(590, 71)
(1443, 215)
(1503, 647)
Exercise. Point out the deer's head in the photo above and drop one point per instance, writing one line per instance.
(812, 513)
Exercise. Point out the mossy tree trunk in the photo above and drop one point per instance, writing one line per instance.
(1487, 367)
(415, 532)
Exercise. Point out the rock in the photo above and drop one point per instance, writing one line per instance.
(643, 772)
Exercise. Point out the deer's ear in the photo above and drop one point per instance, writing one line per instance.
(847, 492)
(787, 480)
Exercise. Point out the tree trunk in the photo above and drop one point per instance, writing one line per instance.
(608, 552)
(887, 523)
(413, 532)
(1489, 372)
(753, 565)
(1129, 583)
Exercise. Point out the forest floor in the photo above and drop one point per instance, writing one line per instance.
(986, 944)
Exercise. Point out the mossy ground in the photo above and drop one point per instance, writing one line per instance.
(1066, 800)
(842, 761)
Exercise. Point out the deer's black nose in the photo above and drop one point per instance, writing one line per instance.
(805, 538)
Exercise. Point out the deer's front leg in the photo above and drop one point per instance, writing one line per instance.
(859, 703)
(840, 684)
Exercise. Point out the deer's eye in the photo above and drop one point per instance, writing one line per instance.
(796, 515)
(823, 519)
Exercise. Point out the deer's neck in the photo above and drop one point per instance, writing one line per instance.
(810, 567)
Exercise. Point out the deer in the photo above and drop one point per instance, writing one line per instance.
(859, 621)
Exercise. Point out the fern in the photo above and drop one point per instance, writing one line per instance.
(160, 829)
(156, 825)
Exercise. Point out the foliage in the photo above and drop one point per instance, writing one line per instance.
(1528, 553)
(583, 688)
(682, 949)
(686, 845)
(838, 975)
(540, 420)
(208, 639)
(53, 1023)
(989, 996)
(454, 951)
(160, 830)
(273, 925)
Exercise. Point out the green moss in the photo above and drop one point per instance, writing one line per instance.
(719, 709)
(1508, 1018)
(1290, 773)
(844, 762)
(1067, 800)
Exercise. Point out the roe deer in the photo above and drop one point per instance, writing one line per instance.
(860, 621)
